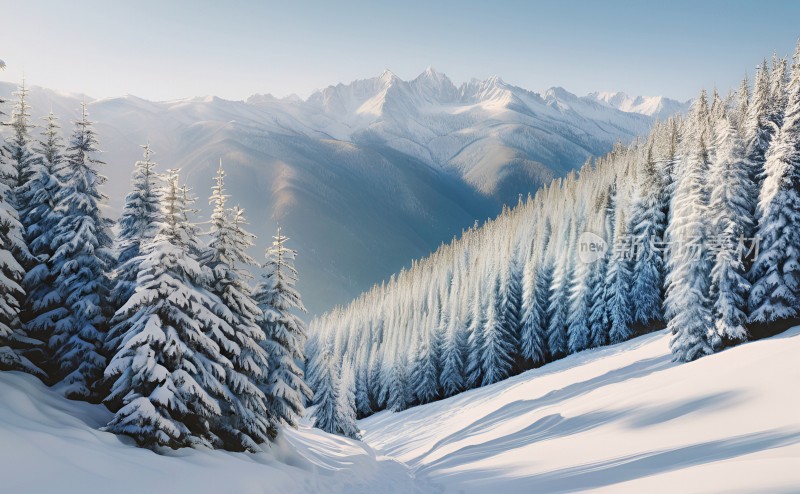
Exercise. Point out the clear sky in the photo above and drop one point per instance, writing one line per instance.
(174, 48)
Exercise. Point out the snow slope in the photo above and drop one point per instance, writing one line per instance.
(378, 171)
(49, 444)
(618, 419)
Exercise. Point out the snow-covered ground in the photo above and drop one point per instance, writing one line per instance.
(618, 419)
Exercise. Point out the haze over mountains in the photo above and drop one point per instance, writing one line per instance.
(368, 175)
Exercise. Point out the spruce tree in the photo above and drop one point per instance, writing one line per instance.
(346, 404)
(618, 286)
(278, 299)
(141, 217)
(326, 393)
(454, 348)
(775, 294)
(474, 368)
(497, 352)
(43, 294)
(649, 223)
(174, 384)
(731, 210)
(13, 252)
(82, 257)
(228, 279)
(688, 308)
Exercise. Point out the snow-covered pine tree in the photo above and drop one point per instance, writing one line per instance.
(558, 309)
(731, 209)
(13, 250)
(170, 374)
(346, 404)
(18, 150)
(453, 350)
(618, 285)
(251, 414)
(82, 257)
(688, 309)
(775, 293)
(42, 218)
(473, 371)
(509, 298)
(497, 352)
(535, 284)
(326, 392)
(277, 299)
(397, 385)
(426, 370)
(139, 223)
(649, 222)
(758, 130)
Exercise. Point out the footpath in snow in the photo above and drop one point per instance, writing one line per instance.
(618, 419)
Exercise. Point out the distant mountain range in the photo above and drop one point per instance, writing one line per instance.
(368, 175)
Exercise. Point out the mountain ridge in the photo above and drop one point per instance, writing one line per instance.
(363, 176)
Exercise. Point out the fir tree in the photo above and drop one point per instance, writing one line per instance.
(454, 345)
(687, 305)
(618, 282)
(775, 294)
(171, 376)
(40, 285)
(285, 332)
(425, 373)
(326, 393)
(475, 342)
(141, 217)
(82, 256)
(496, 354)
(732, 220)
(346, 404)
(13, 250)
(649, 223)
(228, 279)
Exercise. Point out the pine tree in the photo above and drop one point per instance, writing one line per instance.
(618, 282)
(475, 342)
(346, 404)
(687, 305)
(454, 345)
(171, 377)
(425, 373)
(277, 299)
(228, 280)
(775, 294)
(496, 354)
(758, 130)
(141, 217)
(397, 384)
(535, 300)
(559, 303)
(732, 220)
(649, 223)
(82, 256)
(13, 251)
(18, 150)
(40, 285)
(326, 393)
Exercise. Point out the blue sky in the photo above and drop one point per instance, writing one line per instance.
(173, 49)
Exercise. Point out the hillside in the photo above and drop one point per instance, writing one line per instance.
(619, 419)
(363, 176)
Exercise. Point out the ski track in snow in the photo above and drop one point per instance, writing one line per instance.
(622, 418)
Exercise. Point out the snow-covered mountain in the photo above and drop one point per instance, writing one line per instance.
(652, 106)
(363, 176)
(619, 419)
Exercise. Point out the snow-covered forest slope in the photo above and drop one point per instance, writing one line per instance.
(622, 418)
(619, 419)
(363, 176)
